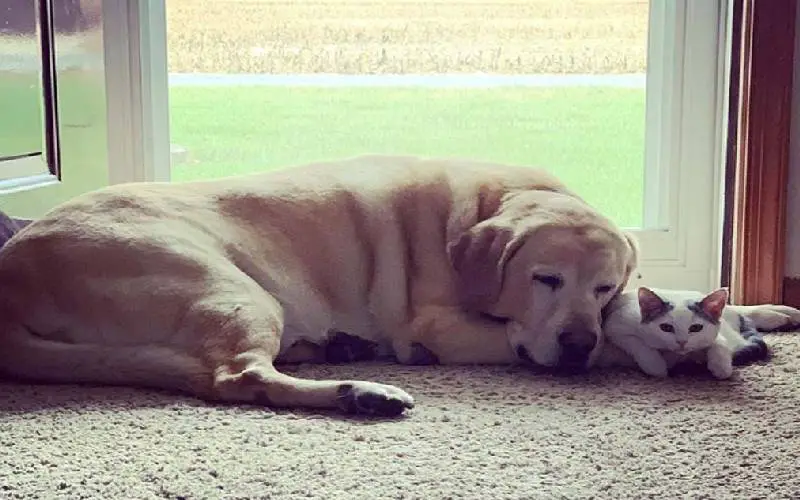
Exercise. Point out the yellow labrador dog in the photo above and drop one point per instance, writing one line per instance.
(200, 287)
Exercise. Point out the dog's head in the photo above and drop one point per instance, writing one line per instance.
(547, 263)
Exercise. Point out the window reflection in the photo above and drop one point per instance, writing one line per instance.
(21, 110)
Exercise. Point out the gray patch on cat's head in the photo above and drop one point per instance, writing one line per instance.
(697, 308)
(666, 307)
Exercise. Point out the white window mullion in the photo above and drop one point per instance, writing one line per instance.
(137, 86)
(685, 138)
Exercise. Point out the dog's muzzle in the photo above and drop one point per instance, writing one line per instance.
(574, 357)
(559, 369)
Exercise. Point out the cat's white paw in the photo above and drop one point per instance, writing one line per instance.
(656, 370)
(721, 371)
(720, 362)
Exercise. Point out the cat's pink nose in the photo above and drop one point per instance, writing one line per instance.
(681, 343)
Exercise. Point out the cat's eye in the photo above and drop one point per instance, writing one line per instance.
(554, 282)
(695, 328)
(667, 327)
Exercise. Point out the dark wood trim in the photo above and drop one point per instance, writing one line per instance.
(791, 291)
(762, 157)
(731, 150)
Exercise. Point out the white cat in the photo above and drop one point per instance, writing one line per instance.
(660, 328)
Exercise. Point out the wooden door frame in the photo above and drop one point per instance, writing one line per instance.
(757, 170)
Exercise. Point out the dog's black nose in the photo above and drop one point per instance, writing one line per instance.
(576, 348)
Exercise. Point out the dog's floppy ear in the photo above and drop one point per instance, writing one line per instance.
(633, 260)
(479, 257)
(633, 256)
(630, 268)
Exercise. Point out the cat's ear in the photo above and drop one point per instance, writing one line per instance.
(651, 305)
(714, 303)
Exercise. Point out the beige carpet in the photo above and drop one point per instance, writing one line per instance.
(478, 433)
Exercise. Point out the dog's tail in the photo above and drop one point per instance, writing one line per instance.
(769, 317)
(27, 357)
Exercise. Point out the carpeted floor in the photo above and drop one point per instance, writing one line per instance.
(478, 433)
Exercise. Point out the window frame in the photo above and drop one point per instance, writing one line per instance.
(34, 169)
(137, 80)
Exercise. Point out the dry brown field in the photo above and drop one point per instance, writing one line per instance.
(407, 36)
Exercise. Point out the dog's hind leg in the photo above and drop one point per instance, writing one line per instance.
(263, 384)
(217, 340)
(242, 339)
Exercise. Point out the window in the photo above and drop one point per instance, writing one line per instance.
(53, 113)
(623, 99)
(258, 86)
(29, 151)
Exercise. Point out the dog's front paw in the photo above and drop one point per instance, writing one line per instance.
(342, 347)
(652, 363)
(414, 353)
(368, 398)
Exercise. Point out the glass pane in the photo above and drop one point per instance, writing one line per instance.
(21, 119)
(552, 83)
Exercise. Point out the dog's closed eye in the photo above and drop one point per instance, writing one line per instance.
(603, 289)
(554, 282)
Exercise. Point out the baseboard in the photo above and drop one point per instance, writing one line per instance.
(791, 291)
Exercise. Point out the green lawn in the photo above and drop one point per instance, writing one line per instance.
(593, 138)
(21, 112)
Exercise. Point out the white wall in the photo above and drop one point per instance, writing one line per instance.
(793, 208)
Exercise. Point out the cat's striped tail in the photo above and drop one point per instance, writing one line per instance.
(754, 347)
